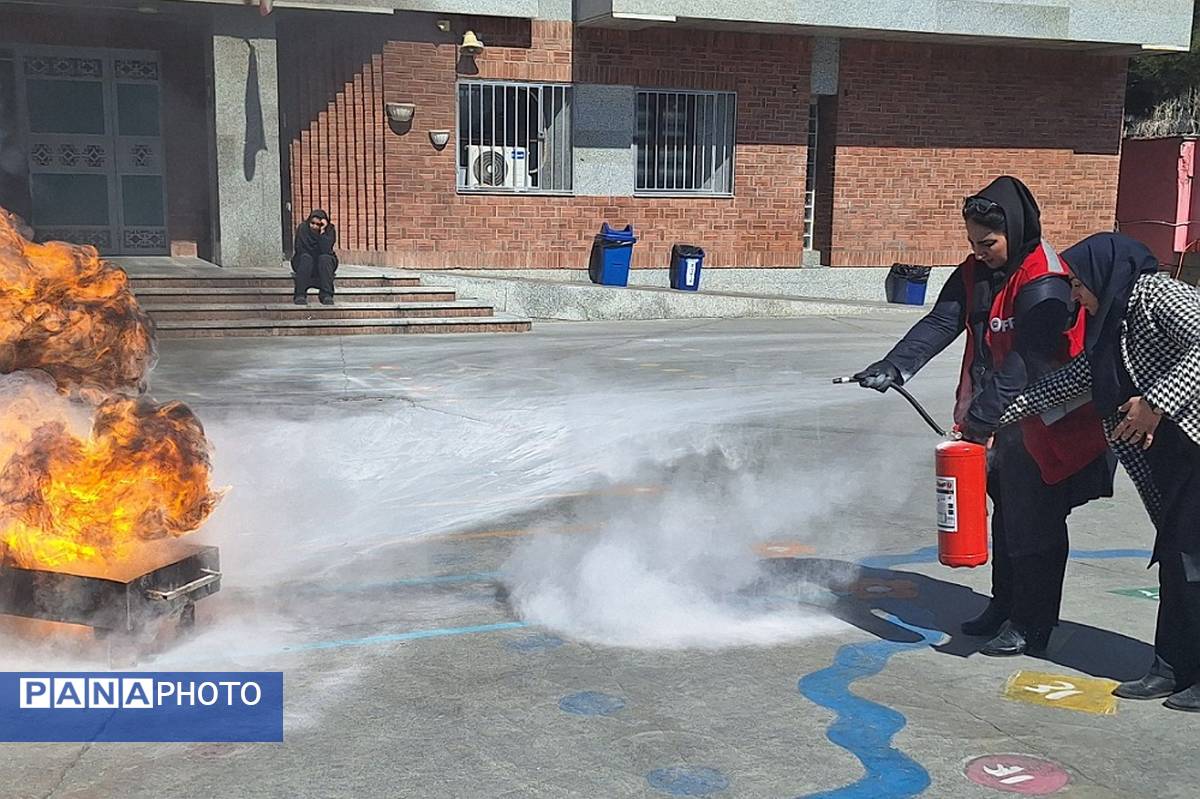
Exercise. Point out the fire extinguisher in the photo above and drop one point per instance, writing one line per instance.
(961, 489)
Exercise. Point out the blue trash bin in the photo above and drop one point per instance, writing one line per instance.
(906, 283)
(686, 262)
(612, 250)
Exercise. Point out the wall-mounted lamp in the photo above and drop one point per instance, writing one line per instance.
(400, 113)
(471, 45)
(443, 25)
(439, 138)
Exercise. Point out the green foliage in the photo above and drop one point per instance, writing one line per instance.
(1160, 78)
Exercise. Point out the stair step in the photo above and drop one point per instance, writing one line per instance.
(502, 323)
(216, 296)
(163, 312)
(142, 282)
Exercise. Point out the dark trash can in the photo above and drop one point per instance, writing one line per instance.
(612, 250)
(906, 283)
(686, 263)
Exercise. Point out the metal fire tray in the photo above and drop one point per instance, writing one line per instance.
(164, 579)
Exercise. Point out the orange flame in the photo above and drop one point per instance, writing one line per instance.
(142, 471)
(70, 314)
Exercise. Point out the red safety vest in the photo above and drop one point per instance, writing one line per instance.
(1060, 449)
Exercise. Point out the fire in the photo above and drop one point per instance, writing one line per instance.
(68, 313)
(73, 489)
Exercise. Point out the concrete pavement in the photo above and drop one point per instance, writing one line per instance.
(636, 559)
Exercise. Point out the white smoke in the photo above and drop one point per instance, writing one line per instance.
(668, 491)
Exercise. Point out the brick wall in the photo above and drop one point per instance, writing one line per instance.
(429, 224)
(332, 124)
(412, 215)
(922, 126)
(916, 128)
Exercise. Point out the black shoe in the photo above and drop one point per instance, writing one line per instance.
(1152, 686)
(327, 300)
(986, 623)
(1188, 701)
(1012, 641)
(300, 300)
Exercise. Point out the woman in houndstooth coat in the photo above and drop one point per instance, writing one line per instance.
(1141, 367)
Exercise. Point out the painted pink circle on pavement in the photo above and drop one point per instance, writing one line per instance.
(1021, 774)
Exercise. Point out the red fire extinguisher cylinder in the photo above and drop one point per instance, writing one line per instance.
(962, 504)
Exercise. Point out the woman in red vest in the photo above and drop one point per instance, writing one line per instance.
(1012, 296)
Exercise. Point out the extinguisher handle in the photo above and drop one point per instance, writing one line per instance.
(917, 407)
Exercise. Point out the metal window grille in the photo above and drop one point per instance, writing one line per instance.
(514, 137)
(810, 176)
(685, 142)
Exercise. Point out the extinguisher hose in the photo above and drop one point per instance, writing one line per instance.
(917, 407)
(911, 401)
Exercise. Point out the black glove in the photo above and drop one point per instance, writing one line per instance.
(975, 432)
(880, 376)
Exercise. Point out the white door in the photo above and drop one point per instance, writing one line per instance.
(93, 133)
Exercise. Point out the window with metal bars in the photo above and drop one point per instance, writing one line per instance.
(514, 137)
(685, 142)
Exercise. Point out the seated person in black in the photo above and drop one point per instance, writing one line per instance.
(313, 259)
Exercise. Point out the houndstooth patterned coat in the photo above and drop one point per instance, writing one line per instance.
(1160, 345)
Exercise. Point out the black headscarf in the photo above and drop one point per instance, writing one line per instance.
(1108, 264)
(1022, 217)
(311, 242)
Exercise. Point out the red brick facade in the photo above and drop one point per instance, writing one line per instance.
(920, 126)
(333, 126)
(915, 128)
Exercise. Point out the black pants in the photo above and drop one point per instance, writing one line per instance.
(1177, 636)
(1175, 463)
(308, 273)
(1029, 529)
(1029, 587)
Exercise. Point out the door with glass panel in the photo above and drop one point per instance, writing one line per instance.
(93, 134)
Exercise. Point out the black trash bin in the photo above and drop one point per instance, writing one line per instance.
(906, 283)
(686, 263)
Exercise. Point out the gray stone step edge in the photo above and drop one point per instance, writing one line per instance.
(313, 305)
(551, 299)
(229, 324)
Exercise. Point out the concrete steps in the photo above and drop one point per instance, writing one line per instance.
(183, 295)
(259, 281)
(215, 302)
(196, 311)
(341, 327)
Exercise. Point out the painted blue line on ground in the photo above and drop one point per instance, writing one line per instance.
(930, 555)
(413, 635)
(591, 703)
(865, 728)
(436, 579)
(1110, 554)
(687, 780)
(922, 555)
(535, 644)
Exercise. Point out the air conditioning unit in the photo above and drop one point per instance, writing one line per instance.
(497, 167)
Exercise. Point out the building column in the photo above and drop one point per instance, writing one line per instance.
(243, 85)
(603, 125)
(826, 59)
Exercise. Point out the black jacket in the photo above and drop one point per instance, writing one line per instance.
(1043, 312)
(308, 242)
